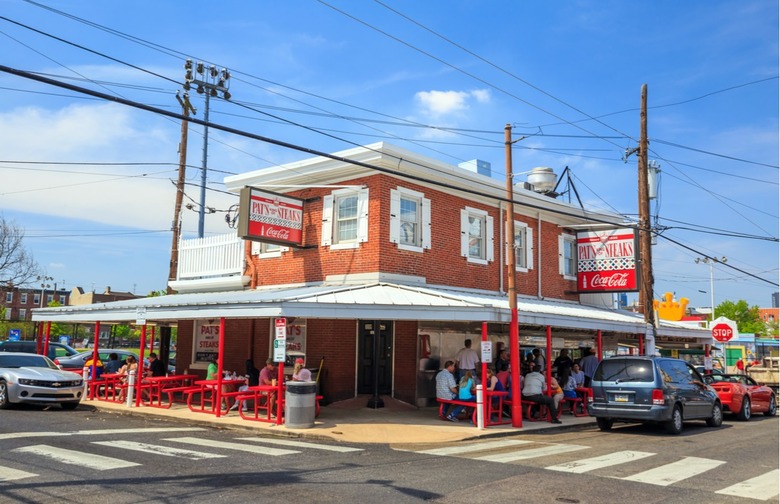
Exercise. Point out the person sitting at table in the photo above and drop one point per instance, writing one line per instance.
(212, 371)
(300, 373)
(569, 384)
(557, 391)
(447, 388)
(267, 378)
(129, 368)
(467, 387)
(156, 366)
(98, 368)
(251, 379)
(494, 385)
(113, 364)
(578, 375)
(533, 391)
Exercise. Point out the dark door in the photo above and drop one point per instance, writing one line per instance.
(371, 365)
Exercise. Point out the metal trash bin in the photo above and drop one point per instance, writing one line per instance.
(299, 404)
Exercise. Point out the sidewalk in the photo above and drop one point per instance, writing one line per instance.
(351, 421)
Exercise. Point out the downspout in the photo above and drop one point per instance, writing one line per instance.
(539, 256)
(251, 269)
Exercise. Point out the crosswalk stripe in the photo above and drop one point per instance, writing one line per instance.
(158, 449)
(150, 430)
(668, 474)
(591, 464)
(260, 450)
(84, 459)
(762, 487)
(468, 448)
(531, 453)
(8, 474)
(302, 444)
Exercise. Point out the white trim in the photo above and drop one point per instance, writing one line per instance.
(327, 220)
(562, 239)
(210, 284)
(488, 242)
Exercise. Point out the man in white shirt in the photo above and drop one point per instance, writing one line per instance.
(533, 391)
(467, 359)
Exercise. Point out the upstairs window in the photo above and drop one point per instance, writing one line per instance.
(9, 297)
(524, 247)
(36, 299)
(24, 298)
(345, 218)
(476, 229)
(567, 253)
(49, 299)
(410, 220)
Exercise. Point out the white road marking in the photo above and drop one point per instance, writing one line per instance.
(84, 459)
(531, 453)
(302, 444)
(260, 450)
(762, 487)
(159, 450)
(591, 464)
(468, 448)
(668, 474)
(8, 474)
(17, 435)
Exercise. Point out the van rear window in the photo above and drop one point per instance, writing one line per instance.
(624, 370)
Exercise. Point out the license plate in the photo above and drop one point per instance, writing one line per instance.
(621, 397)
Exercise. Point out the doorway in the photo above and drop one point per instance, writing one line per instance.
(368, 365)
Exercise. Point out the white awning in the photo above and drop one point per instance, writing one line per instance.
(373, 301)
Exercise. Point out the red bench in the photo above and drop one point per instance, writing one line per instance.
(573, 405)
(468, 404)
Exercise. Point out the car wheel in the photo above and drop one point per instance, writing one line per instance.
(675, 425)
(717, 416)
(604, 424)
(70, 405)
(4, 402)
(772, 410)
(744, 410)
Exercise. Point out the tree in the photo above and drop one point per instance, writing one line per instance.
(747, 317)
(17, 266)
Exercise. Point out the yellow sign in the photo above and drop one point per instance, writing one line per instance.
(669, 309)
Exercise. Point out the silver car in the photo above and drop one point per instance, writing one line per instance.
(33, 378)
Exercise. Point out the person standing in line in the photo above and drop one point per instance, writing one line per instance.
(467, 359)
(589, 363)
(447, 388)
(539, 361)
(563, 361)
(502, 361)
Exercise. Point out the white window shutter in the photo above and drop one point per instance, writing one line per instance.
(327, 220)
(529, 245)
(490, 245)
(464, 233)
(362, 235)
(395, 216)
(561, 265)
(426, 223)
(255, 248)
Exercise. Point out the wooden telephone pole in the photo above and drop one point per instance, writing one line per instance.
(645, 237)
(186, 107)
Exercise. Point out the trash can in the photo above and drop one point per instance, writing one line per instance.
(299, 404)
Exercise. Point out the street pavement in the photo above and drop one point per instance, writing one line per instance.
(352, 421)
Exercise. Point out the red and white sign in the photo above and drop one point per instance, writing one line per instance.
(722, 332)
(607, 261)
(270, 217)
(280, 325)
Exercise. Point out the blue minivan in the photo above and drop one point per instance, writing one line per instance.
(658, 390)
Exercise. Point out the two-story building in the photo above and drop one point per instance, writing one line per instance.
(402, 258)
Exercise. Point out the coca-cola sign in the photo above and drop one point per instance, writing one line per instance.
(269, 217)
(607, 261)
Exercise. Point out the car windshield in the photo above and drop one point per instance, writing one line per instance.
(31, 360)
(625, 370)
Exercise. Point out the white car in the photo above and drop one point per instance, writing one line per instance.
(32, 378)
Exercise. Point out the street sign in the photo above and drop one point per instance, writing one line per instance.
(14, 334)
(487, 351)
(280, 339)
(281, 328)
(722, 332)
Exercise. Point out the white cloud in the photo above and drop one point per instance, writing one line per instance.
(437, 104)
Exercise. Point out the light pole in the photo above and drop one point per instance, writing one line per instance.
(711, 261)
(44, 286)
(209, 81)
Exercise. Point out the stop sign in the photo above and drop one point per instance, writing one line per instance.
(722, 332)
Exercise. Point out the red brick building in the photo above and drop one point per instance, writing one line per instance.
(403, 247)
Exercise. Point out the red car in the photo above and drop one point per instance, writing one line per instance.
(740, 394)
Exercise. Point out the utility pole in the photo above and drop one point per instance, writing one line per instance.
(186, 107)
(210, 81)
(645, 238)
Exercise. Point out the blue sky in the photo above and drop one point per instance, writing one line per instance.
(91, 182)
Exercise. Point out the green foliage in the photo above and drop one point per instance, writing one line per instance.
(746, 317)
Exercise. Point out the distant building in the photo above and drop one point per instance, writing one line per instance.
(19, 301)
(79, 297)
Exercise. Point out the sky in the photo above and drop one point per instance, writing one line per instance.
(92, 182)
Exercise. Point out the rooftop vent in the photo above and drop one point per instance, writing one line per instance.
(542, 179)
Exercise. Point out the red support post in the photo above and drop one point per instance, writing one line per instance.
(46, 340)
(599, 347)
(94, 357)
(548, 365)
(220, 366)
